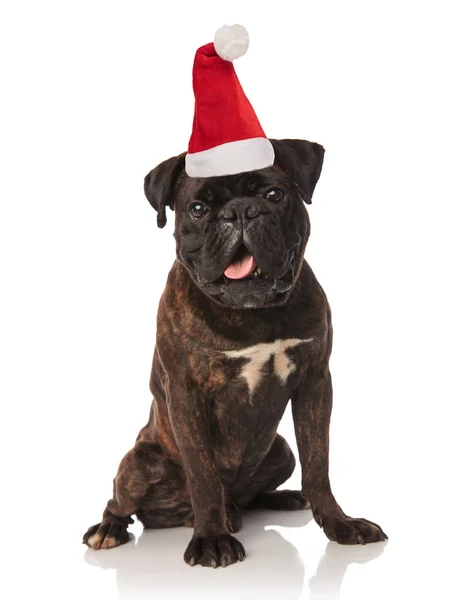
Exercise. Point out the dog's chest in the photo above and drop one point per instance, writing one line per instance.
(247, 410)
(262, 362)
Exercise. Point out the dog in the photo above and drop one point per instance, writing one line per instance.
(243, 328)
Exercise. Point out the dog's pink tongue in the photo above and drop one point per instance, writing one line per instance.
(241, 268)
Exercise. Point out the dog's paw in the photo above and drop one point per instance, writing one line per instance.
(280, 500)
(214, 551)
(106, 535)
(346, 530)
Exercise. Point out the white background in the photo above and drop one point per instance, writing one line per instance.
(96, 93)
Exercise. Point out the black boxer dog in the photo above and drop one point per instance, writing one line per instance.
(243, 327)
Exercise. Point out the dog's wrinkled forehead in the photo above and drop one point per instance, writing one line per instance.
(297, 162)
(217, 190)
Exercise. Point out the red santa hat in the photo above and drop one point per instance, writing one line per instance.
(227, 137)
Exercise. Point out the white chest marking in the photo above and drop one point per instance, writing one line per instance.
(259, 355)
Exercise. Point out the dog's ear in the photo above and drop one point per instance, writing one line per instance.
(303, 161)
(160, 185)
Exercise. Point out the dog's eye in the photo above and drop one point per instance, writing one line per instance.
(197, 210)
(275, 195)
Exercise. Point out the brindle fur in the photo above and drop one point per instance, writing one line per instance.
(210, 449)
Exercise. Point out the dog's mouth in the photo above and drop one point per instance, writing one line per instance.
(244, 277)
(243, 266)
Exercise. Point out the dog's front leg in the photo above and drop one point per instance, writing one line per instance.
(211, 544)
(311, 407)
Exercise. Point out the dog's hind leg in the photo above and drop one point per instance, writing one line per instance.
(261, 491)
(143, 467)
(168, 503)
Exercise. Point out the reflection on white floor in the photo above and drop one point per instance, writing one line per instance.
(152, 565)
(326, 583)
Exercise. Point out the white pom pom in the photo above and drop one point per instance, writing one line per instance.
(231, 41)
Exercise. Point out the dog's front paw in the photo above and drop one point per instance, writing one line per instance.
(106, 535)
(346, 530)
(214, 551)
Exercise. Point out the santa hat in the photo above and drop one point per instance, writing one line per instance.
(227, 137)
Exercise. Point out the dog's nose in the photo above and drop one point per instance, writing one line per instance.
(238, 209)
